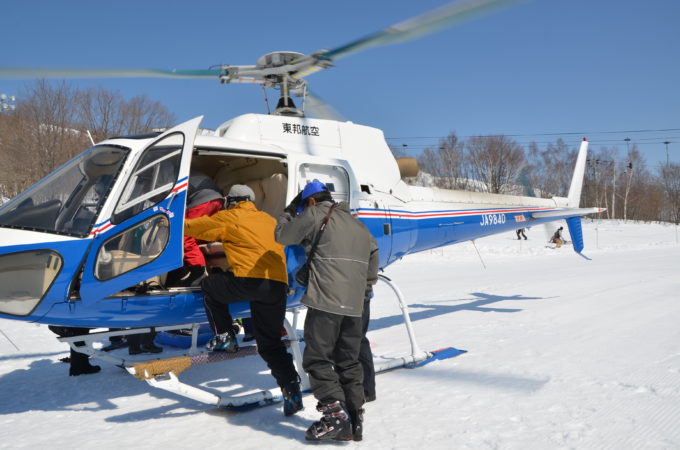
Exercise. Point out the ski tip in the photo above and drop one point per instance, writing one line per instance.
(442, 353)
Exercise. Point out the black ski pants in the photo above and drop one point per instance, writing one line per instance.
(365, 353)
(331, 358)
(268, 309)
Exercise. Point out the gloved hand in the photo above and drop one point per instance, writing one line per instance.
(293, 205)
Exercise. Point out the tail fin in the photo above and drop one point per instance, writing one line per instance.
(574, 198)
(576, 233)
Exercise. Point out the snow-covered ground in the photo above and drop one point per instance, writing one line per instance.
(562, 352)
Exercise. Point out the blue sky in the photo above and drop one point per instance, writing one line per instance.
(543, 69)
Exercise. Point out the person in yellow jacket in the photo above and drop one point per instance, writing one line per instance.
(258, 275)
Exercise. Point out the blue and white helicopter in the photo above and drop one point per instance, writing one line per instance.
(79, 247)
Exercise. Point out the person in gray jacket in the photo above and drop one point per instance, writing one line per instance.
(345, 263)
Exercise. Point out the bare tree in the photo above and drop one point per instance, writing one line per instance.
(646, 198)
(106, 113)
(496, 161)
(634, 166)
(446, 163)
(42, 136)
(670, 179)
(599, 178)
(551, 168)
(49, 127)
(98, 111)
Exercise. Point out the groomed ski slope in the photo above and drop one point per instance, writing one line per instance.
(561, 353)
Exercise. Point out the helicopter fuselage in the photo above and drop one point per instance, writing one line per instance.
(89, 245)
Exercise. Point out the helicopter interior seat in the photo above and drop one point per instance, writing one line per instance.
(83, 219)
(274, 188)
(132, 250)
(270, 192)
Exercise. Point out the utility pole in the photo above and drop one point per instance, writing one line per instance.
(627, 140)
(614, 190)
(667, 161)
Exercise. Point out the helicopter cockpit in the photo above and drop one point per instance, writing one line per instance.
(68, 201)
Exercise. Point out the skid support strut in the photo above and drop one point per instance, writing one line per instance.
(417, 355)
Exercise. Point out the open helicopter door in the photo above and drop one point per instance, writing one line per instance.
(142, 237)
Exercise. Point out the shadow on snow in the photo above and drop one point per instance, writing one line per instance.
(479, 303)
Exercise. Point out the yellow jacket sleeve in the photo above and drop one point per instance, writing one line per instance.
(208, 228)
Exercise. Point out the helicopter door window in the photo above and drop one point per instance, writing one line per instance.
(25, 278)
(335, 178)
(132, 248)
(152, 178)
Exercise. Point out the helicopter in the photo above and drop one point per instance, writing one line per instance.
(81, 247)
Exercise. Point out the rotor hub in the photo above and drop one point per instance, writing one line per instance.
(277, 59)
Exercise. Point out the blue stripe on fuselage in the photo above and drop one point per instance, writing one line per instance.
(415, 231)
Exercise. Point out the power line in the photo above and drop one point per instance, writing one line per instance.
(580, 133)
(435, 145)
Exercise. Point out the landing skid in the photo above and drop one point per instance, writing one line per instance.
(164, 373)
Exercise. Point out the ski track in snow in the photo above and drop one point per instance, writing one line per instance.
(562, 353)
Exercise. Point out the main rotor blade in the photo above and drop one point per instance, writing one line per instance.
(317, 107)
(7, 72)
(430, 22)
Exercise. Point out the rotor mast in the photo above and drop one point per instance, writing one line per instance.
(283, 71)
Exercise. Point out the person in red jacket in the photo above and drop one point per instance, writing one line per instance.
(203, 199)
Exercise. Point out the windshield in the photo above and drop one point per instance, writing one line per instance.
(69, 199)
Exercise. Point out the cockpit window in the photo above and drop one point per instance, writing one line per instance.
(69, 199)
(152, 179)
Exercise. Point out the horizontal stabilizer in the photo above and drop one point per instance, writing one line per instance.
(567, 212)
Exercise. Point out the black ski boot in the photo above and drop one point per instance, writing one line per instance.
(357, 418)
(292, 398)
(80, 365)
(225, 342)
(142, 343)
(334, 424)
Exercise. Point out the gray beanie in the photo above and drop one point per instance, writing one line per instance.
(241, 191)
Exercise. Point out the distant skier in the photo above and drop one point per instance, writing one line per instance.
(557, 238)
(520, 234)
